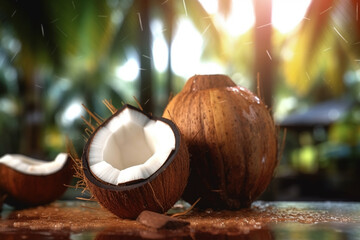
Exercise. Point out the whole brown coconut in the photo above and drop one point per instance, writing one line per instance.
(231, 140)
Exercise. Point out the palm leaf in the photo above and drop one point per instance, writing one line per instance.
(313, 39)
(83, 31)
(28, 21)
(202, 21)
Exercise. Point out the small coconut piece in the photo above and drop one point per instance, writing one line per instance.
(160, 221)
(29, 182)
(134, 162)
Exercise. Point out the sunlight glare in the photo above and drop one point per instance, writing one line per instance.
(210, 68)
(241, 18)
(71, 113)
(129, 71)
(210, 6)
(287, 14)
(186, 49)
(160, 54)
(160, 49)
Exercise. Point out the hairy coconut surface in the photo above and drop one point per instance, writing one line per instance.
(157, 191)
(231, 139)
(27, 182)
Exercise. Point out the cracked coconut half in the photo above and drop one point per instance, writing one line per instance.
(26, 181)
(134, 161)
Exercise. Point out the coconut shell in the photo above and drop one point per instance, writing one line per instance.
(157, 193)
(26, 190)
(231, 139)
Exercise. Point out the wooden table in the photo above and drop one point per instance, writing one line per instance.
(264, 220)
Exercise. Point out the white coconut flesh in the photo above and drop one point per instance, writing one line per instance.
(130, 147)
(33, 166)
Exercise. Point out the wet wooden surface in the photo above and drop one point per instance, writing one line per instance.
(264, 220)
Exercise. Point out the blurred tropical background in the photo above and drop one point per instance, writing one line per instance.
(304, 55)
